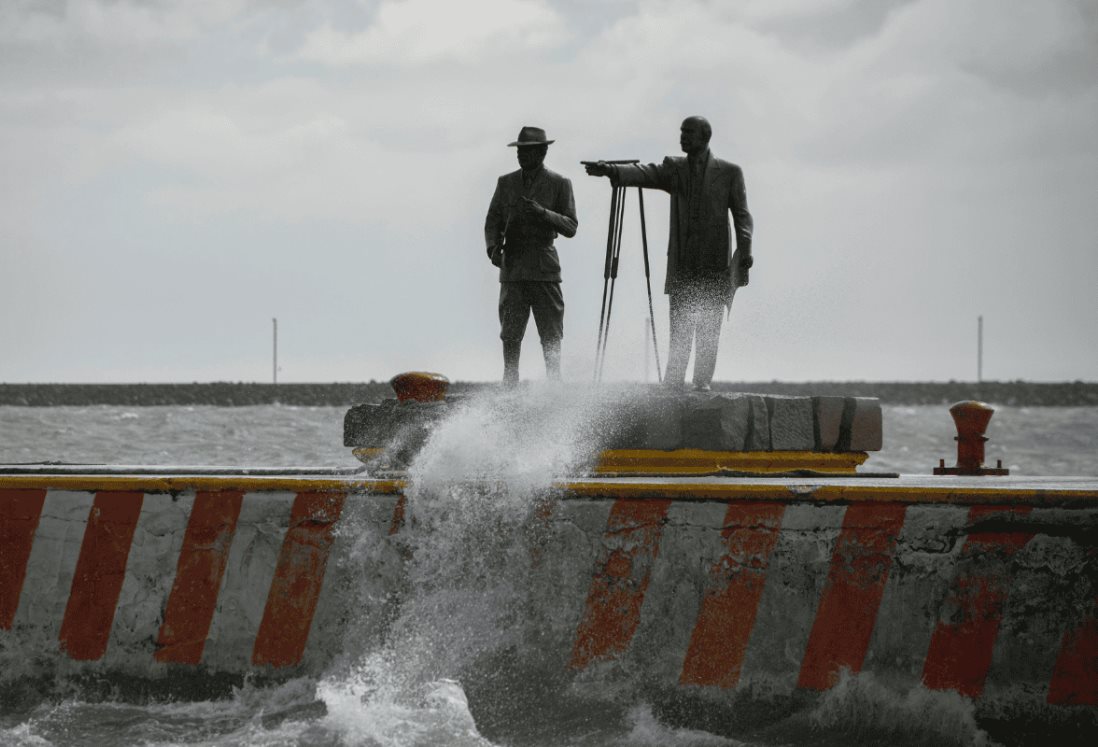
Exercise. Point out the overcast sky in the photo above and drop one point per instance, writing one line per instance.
(175, 174)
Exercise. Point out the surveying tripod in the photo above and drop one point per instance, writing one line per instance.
(610, 272)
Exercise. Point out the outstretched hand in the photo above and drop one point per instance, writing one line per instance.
(598, 168)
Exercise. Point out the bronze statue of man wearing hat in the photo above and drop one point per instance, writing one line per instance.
(704, 266)
(529, 208)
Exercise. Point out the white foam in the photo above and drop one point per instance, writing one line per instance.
(472, 488)
(861, 704)
(368, 707)
(645, 730)
(22, 736)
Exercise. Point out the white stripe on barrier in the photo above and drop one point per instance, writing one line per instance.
(1037, 613)
(690, 545)
(794, 582)
(927, 548)
(253, 557)
(150, 573)
(50, 569)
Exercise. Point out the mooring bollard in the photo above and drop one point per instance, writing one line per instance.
(420, 386)
(971, 419)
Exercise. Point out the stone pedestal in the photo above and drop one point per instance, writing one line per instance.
(632, 426)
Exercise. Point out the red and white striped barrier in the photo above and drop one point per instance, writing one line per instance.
(125, 580)
(792, 595)
(989, 600)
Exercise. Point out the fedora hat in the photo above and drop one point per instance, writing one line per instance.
(531, 136)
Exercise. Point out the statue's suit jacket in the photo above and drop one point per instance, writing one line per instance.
(529, 253)
(722, 190)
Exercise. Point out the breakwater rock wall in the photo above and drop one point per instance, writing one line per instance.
(236, 394)
(220, 394)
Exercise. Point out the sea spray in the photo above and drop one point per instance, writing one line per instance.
(272, 714)
(645, 730)
(474, 490)
(369, 707)
(863, 707)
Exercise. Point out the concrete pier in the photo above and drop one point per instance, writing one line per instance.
(703, 585)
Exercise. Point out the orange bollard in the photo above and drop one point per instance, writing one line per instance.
(420, 386)
(971, 419)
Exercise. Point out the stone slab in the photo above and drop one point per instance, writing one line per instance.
(862, 428)
(654, 419)
(791, 423)
(759, 437)
(828, 421)
(716, 422)
(662, 417)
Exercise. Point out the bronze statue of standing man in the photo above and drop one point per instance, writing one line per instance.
(529, 209)
(703, 270)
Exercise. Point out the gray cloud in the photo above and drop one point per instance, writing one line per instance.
(330, 162)
(427, 31)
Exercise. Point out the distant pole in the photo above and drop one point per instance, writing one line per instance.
(980, 349)
(274, 323)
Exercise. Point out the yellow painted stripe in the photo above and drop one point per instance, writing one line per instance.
(699, 461)
(183, 483)
(817, 493)
(871, 490)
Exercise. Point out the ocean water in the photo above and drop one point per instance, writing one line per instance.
(1029, 440)
(451, 669)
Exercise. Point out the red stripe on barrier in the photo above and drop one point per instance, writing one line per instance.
(612, 612)
(852, 596)
(963, 642)
(100, 571)
(291, 603)
(727, 614)
(193, 597)
(1075, 676)
(19, 514)
(398, 514)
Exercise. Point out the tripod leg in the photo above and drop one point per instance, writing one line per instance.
(619, 220)
(602, 319)
(617, 239)
(606, 275)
